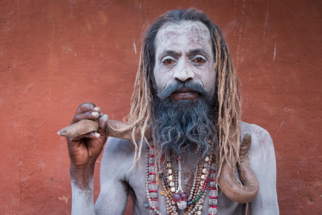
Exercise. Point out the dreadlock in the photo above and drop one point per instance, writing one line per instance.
(228, 106)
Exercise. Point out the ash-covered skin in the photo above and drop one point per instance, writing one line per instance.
(82, 199)
(118, 180)
(177, 61)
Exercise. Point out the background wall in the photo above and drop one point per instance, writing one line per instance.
(55, 55)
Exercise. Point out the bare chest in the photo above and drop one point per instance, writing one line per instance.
(141, 204)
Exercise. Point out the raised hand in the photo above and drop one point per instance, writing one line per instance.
(85, 149)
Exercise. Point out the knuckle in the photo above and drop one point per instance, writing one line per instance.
(76, 118)
(86, 106)
(103, 118)
(79, 117)
(89, 105)
(93, 114)
(81, 106)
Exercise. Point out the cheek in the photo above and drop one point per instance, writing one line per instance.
(161, 79)
(208, 79)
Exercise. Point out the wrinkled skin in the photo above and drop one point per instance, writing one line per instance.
(117, 182)
(177, 61)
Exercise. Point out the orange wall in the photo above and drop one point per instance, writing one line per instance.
(55, 55)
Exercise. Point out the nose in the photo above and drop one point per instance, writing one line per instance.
(183, 72)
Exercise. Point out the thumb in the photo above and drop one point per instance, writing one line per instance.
(102, 122)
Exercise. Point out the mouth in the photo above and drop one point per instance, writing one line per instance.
(184, 94)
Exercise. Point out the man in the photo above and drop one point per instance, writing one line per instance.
(186, 95)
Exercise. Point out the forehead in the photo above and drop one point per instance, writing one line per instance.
(184, 35)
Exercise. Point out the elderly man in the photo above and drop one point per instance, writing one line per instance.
(188, 151)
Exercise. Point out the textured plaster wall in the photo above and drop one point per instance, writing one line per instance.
(56, 54)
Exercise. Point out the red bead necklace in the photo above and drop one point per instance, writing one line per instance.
(176, 198)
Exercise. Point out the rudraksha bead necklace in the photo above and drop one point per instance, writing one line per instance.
(171, 186)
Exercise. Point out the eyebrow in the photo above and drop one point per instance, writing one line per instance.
(177, 54)
(197, 51)
(169, 52)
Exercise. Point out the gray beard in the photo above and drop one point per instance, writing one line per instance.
(185, 125)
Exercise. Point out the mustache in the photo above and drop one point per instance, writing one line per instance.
(193, 86)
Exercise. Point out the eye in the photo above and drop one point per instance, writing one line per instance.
(168, 61)
(199, 60)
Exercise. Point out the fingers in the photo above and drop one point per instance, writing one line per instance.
(86, 107)
(87, 115)
(102, 121)
(91, 135)
(90, 111)
(87, 110)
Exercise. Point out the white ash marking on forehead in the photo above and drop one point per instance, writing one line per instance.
(193, 33)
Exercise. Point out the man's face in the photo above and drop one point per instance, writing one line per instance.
(184, 53)
(185, 81)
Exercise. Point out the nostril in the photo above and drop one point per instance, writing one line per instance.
(183, 78)
(180, 80)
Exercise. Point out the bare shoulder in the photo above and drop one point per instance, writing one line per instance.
(261, 154)
(260, 137)
(115, 164)
(117, 159)
(262, 148)
(118, 147)
(263, 163)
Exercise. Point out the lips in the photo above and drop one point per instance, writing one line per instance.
(185, 94)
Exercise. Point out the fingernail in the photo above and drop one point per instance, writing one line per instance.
(96, 114)
(97, 109)
(97, 135)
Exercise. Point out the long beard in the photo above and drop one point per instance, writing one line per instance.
(184, 125)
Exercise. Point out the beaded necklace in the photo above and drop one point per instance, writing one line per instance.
(205, 173)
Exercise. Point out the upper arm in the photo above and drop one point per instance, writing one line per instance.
(113, 195)
(263, 163)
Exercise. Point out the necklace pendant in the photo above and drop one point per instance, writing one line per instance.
(182, 205)
(163, 192)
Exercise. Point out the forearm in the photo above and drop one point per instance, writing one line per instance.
(82, 191)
